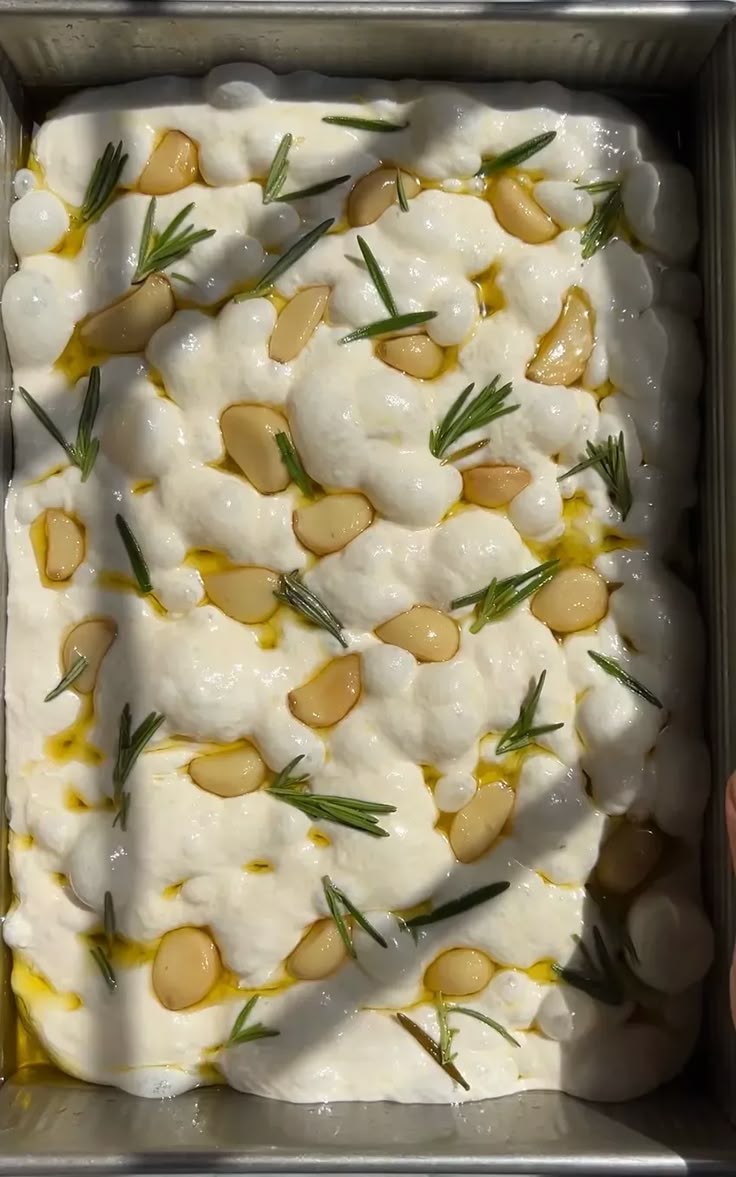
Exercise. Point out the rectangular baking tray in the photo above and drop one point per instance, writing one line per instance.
(676, 63)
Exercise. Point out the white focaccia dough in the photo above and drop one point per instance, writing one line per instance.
(422, 736)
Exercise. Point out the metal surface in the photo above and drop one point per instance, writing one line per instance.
(641, 49)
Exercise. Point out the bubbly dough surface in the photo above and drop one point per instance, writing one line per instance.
(423, 735)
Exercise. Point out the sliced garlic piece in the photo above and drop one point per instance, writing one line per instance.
(129, 324)
(459, 972)
(64, 545)
(229, 774)
(249, 433)
(173, 165)
(329, 525)
(574, 599)
(319, 954)
(374, 193)
(185, 968)
(518, 212)
(92, 639)
(494, 486)
(476, 826)
(565, 350)
(245, 594)
(628, 857)
(297, 323)
(416, 355)
(428, 634)
(327, 698)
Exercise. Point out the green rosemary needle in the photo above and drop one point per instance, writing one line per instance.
(335, 899)
(352, 812)
(276, 177)
(388, 326)
(603, 224)
(475, 1013)
(100, 958)
(159, 250)
(401, 192)
(293, 591)
(432, 1048)
(501, 596)
(135, 555)
(294, 466)
(241, 1033)
(609, 459)
(130, 745)
(457, 906)
(598, 186)
(283, 263)
(85, 449)
(312, 190)
(447, 1033)
(377, 277)
(359, 124)
(515, 155)
(616, 670)
(523, 732)
(103, 182)
(78, 666)
(462, 417)
(109, 921)
(602, 979)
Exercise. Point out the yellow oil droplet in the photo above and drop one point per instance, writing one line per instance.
(60, 879)
(21, 841)
(31, 988)
(208, 561)
(143, 485)
(457, 508)
(277, 301)
(50, 473)
(72, 743)
(318, 837)
(118, 582)
(172, 890)
(40, 546)
(28, 1050)
(431, 775)
(258, 866)
(444, 823)
(488, 772)
(35, 166)
(78, 358)
(268, 633)
(72, 242)
(492, 298)
(209, 1074)
(155, 377)
(541, 972)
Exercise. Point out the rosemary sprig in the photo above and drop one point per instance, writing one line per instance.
(523, 732)
(515, 155)
(347, 120)
(103, 182)
(99, 956)
(242, 1033)
(387, 326)
(78, 666)
(603, 224)
(294, 466)
(335, 899)
(432, 1048)
(401, 192)
(616, 670)
(602, 979)
(277, 172)
(135, 555)
(283, 263)
(130, 745)
(486, 406)
(475, 1013)
(609, 459)
(85, 449)
(463, 903)
(447, 1033)
(377, 278)
(312, 190)
(159, 250)
(501, 596)
(292, 591)
(598, 186)
(344, 811)
(109, 921)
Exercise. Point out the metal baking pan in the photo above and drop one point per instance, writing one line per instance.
(676, 62)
